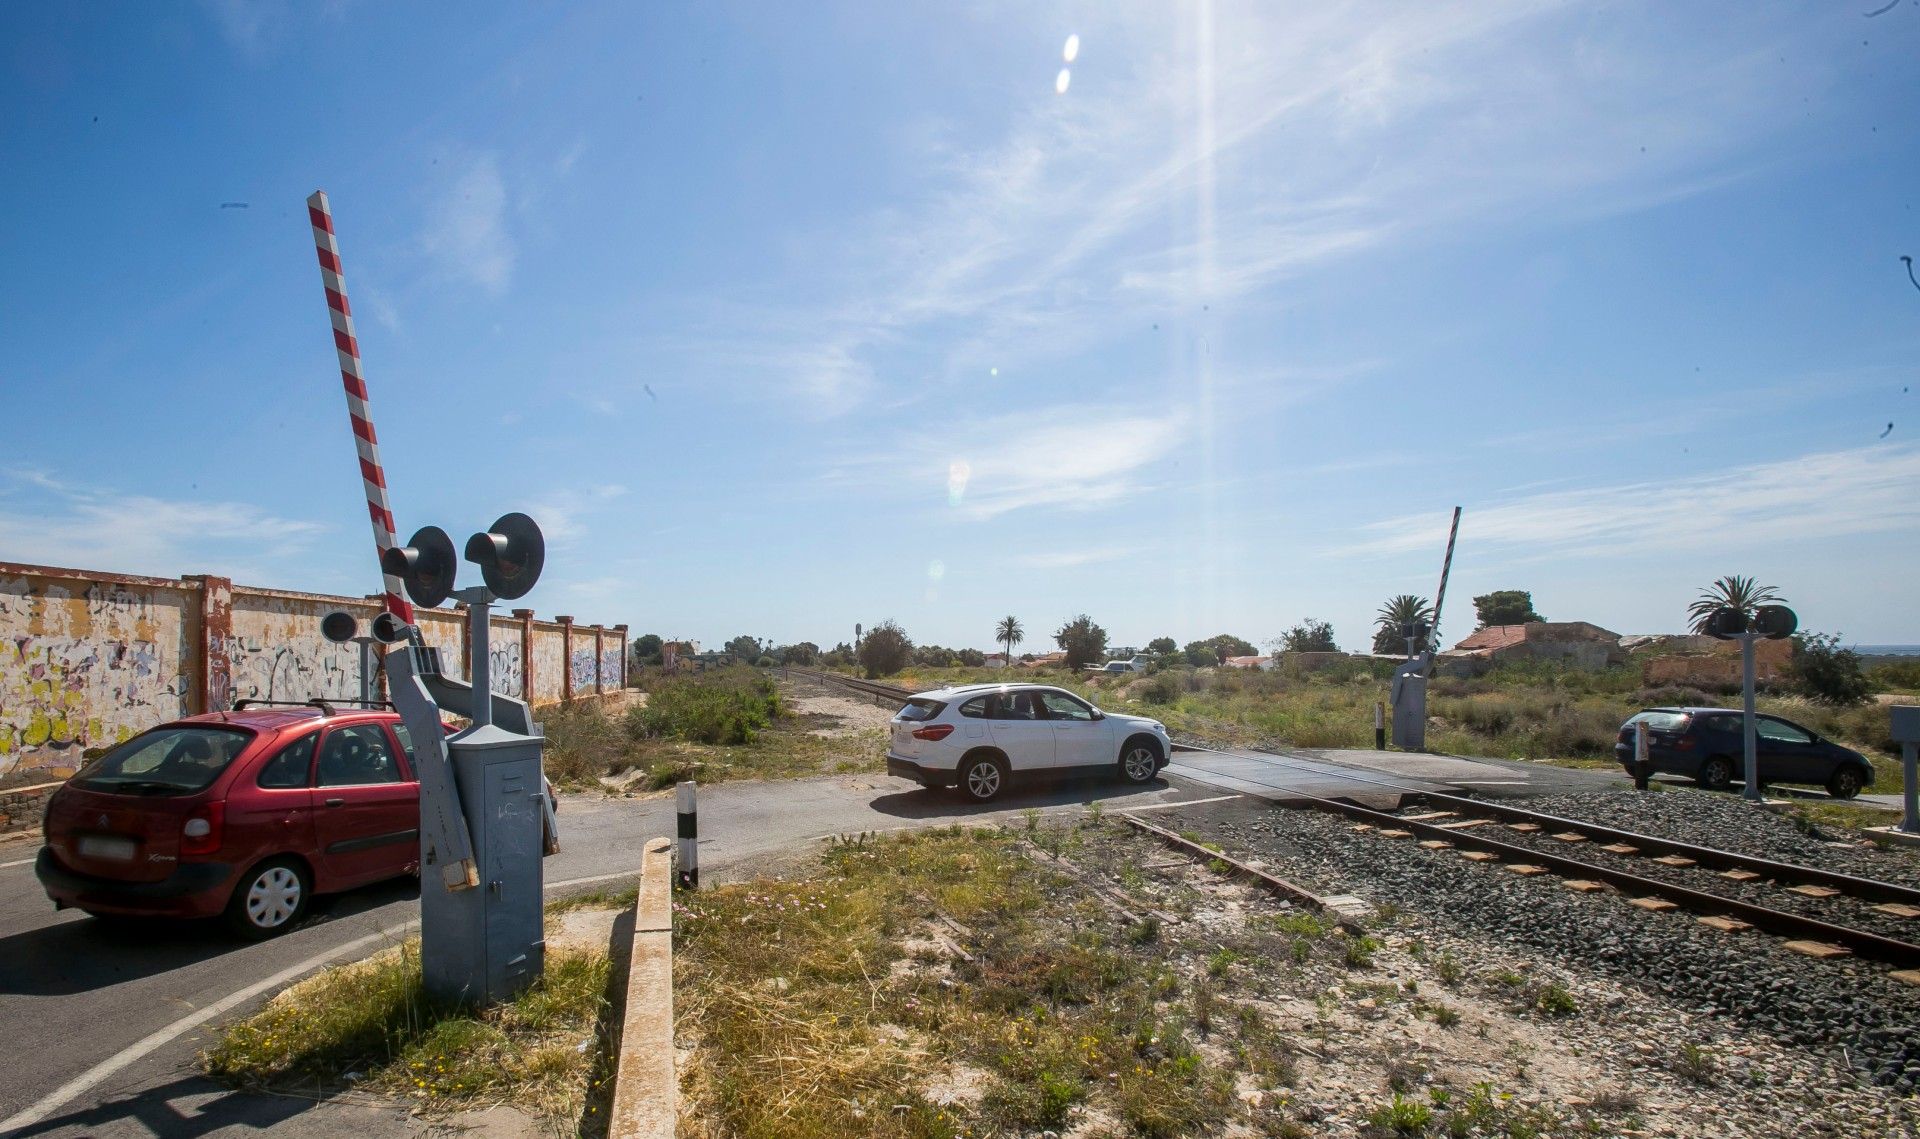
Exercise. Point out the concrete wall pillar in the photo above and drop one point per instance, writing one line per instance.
(599, 659)
(212, 674)
(526, 654)
(566, 659)
(624, 664)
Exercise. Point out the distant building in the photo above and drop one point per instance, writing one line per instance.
(1702, 661)
(1044, 660)
(1265, 664)
(995, 660)
(1577, 643)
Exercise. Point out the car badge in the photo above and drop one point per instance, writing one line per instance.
(102, 822)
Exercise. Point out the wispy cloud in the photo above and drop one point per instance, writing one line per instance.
(466, 231)
(1057, 458)
(563, 513)
(56, 523)
(1070, 559)
(253, 28)
(1203, 168)
(1798, 500)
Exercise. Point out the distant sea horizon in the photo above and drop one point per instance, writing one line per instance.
(1887, 650)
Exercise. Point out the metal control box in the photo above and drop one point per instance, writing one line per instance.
(489, 942)
(1409, 697)
(1906, 723)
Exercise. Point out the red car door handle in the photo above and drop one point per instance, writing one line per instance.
(336, 802)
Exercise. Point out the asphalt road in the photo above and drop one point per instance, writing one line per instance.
(95, 1010)
(106, 1018)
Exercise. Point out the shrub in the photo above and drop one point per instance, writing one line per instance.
(729, 706)
(1825, 672)
(1161, 688)
(885, 650)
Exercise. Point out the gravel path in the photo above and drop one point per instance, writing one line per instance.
(1848, 1010)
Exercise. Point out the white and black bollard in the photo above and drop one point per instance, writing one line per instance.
(1642, 756)
(687, 872)
(1379, 725)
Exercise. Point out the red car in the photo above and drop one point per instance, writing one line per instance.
(246, 814)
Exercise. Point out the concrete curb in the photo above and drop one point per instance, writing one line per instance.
(646, 1089)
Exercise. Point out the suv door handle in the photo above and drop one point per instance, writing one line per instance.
(336, 802)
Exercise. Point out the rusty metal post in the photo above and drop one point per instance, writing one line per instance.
(525, 617)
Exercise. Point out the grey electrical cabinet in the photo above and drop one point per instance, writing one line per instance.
(489, 942)
(1409, 697)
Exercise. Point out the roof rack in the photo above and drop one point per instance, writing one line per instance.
(326, 707)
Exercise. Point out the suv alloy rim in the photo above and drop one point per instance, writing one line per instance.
(983, 780)
(1139, 764)
(273, 897)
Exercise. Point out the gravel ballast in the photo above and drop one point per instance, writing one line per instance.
(1845, 1009)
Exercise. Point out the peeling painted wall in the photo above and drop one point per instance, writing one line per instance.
(86, 664)
(549, 664)
(90, 659)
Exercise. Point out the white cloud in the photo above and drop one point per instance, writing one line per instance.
(1070, 559)
(1798, 500)
(131, 533)
(466, 233)
(1212, 164)
(562, 514)
(1064, 457)
(253, 28)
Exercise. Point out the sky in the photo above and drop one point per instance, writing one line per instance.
(783, 317)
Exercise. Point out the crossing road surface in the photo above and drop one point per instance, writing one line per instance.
(1378, 778)
(106, 1019)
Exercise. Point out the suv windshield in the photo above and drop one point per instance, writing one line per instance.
(165, 761)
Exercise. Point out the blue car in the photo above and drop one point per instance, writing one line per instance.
(1707, 745)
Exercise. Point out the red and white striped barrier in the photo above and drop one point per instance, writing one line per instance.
(371, 473)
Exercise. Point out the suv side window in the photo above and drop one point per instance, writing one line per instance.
(975, 708)
(1018, 706)
(357, 755)
(1061, 706)
(289, 766)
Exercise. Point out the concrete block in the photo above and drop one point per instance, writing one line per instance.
(1818, 949)
(1620, 848)
(1725, 925)
(1653, 905)
(1675, 861)
(1584, 886)
(1393, 833)
(1479, 856)
(1739, 875)
(1814, 891)
(1906, 976)
(1523, 828)
(646, 1087)
(1571, 836)
(1526, 869)
(1899, 910)
(1436, 844)
(1895, 835)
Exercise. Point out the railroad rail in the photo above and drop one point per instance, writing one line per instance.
(868, 688)
(1865, 943)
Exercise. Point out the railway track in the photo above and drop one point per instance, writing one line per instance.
(1462, 817)
(1447, 830)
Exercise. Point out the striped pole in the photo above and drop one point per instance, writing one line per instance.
(1446, 567)
(372, 475)
(688, 877)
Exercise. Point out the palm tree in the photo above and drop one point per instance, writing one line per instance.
(1009, 633)
(1396, 612)
(1731, 592)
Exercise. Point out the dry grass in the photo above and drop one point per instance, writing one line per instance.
(371, 1026)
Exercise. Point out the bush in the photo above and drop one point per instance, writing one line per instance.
(582, 743)
(1161, 688)
(885, 650)
(1825, 672)
(729, 706)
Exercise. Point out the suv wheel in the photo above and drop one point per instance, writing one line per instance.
(982, 778)
(269, 900)
(1138, 764)
(1716, 773)
(1845, 783)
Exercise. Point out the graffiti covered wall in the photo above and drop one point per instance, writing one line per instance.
(89, 659)
(87, 663)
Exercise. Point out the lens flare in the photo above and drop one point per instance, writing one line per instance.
(958, 472)
(1060, 81)
(1072, 51)
(936, 569)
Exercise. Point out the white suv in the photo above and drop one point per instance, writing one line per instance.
(981, 736)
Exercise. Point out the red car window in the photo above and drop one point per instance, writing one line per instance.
(290, 766)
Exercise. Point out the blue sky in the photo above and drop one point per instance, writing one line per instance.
(783, 317)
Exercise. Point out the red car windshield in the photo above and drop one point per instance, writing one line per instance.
(165, 761)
